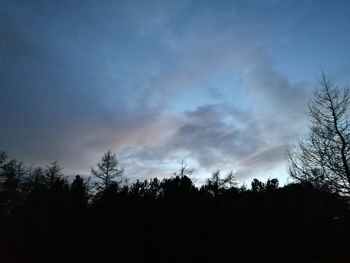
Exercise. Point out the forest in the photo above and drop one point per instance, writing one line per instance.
(48, 217)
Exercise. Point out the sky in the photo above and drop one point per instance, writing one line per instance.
(219, 84)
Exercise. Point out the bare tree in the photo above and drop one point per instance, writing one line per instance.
(322, 157)
(184, 170)
(230, 180)
(107, 171)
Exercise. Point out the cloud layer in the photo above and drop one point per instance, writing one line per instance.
(156, 83)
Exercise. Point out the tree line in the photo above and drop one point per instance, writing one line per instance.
(44, 217)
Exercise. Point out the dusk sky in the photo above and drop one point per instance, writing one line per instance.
(219, 84)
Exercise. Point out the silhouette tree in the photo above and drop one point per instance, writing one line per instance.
(35, 180)
(11, 177)
(79, 188)
(79, 196)
(230, 180)
(271, 184)
(322, 157)
(178, 186)
(52, 174)
(12, 173)
(153, 188)
(108, 172)
(215, 184)
(257, 186)
(184, 170)
(3, 157)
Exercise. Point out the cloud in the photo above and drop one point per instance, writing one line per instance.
(267, 158)
(156, 83)
(218, 136)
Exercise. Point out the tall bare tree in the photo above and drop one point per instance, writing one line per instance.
(107, 172)
(184, 170)
(322, 157)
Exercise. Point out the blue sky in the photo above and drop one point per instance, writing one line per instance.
(220, 84)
